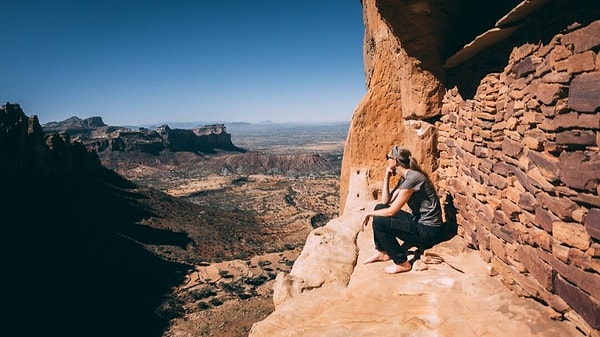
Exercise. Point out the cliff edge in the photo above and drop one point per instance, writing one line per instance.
(499, 105)
(329, 292)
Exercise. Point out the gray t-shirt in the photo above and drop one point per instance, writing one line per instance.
(424, 202)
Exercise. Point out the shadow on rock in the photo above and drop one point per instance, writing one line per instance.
(449, 226)
(73, 263)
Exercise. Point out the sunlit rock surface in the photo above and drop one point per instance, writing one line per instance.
(507, 128)
(448, 293)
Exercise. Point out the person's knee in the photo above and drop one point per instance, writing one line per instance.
(378, 223)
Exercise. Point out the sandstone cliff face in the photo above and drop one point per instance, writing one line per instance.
(401, 97)
(510, 136)
(520, 159)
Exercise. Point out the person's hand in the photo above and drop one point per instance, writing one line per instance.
(390, 171)
(365, 222)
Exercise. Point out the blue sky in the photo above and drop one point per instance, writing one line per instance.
(137, 62)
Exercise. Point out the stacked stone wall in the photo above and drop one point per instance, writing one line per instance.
(522, 163)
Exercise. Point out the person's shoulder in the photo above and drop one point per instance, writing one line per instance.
(415, 174)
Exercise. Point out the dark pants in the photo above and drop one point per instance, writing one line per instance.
(404, 227)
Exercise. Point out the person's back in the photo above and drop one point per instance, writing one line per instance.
(424, 202)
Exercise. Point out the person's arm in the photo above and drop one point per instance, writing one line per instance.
(395, 207)
(385, 190)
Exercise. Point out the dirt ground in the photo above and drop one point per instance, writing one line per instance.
(226, 298)
(267, 218)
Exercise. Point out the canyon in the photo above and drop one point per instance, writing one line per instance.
(128, 242)
(498, 104)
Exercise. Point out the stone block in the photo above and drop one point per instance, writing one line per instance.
(561, 206)
(486, 116)
(533, 143)
(566, 121)
(540, 270)
(499, 216)
(540, 238)
(514, 135)
(519, 108)
(562, 77)
(587, 198)
(576, 137)
(531, 118)
(511, 148)
(513, 194)
(477, 175)
(589, 121)
(518, 85)
(503, 169)
(524, 181)
(592, 223)
(557, 54)
(525, 67)
(586, 280)
(544, 219)
(572, 234)
(481, 152)
(526, 218)
(468, 146)
(582, 303)
(498, 248)
(542, 69)
(536, 177)
(556, 303)
(579, 171)
(528, 202)
(486, 164)
(549, 93)
(546, 163)
(560, 251)
(510, 209)
(561, 66)
(594, 250)
(579, 214)
(583, 39)
(547, 125)
(579, 259)
(497, 181)
(579, 63)
(584, 92)
(547, 111)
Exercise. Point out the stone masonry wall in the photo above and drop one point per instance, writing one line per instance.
(522, 163)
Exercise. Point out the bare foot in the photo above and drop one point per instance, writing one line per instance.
(379, 256)
(398, 268)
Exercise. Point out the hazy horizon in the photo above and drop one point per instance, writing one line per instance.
(138, 62)
(200, 123)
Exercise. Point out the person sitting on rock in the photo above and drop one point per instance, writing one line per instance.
(423, 226)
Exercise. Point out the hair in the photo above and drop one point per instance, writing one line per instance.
(404, 158)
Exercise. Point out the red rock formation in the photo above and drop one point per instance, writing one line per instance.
(24, 149)
(521, 159)
(517, 143)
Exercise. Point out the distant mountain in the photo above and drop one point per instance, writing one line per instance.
(75, 123)
(96, 135)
